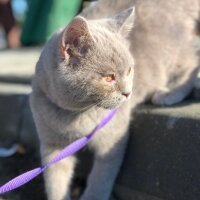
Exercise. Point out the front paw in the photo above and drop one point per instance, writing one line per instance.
(166, 98)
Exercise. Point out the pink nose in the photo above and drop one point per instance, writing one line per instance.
(126, 94)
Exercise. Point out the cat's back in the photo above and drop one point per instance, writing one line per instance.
(104, 8)
(156, 21)
(163, 14)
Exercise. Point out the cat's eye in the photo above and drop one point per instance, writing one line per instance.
(109, 77)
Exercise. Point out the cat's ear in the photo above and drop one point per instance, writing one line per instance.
(124, 21)
(75, 40)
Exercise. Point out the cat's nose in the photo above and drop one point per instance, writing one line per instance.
(126, 94)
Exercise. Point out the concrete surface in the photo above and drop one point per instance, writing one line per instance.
(16, 70)
(163, 154)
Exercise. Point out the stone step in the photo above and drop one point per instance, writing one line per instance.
(16, 122)
(18, 65)
(13, 88)
(162, 158)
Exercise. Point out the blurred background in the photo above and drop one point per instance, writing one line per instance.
(31, 22)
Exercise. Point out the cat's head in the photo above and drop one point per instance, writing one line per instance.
(93, 63)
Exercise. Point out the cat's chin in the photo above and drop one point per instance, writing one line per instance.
(109, 107)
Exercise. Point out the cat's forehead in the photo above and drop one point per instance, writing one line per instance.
(110, 50)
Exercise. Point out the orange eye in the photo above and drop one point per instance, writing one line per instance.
(109, 77)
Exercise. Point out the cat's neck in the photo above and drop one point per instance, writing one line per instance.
(73, 112)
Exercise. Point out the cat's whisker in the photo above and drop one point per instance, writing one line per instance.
(85, 108)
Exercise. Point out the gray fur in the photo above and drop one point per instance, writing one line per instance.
(162, 43)
(70, 96)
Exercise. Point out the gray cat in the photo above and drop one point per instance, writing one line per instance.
(162, 43)
(83, 71)
(87, 68)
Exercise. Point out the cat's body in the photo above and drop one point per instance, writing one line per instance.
(162, 43)
(76, 80)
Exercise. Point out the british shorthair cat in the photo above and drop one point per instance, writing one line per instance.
(84, 70)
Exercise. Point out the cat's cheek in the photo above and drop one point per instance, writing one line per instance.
(123, 99)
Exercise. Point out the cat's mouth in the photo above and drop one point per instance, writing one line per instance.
(114, 103)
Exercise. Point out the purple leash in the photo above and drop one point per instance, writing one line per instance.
(67, 151)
